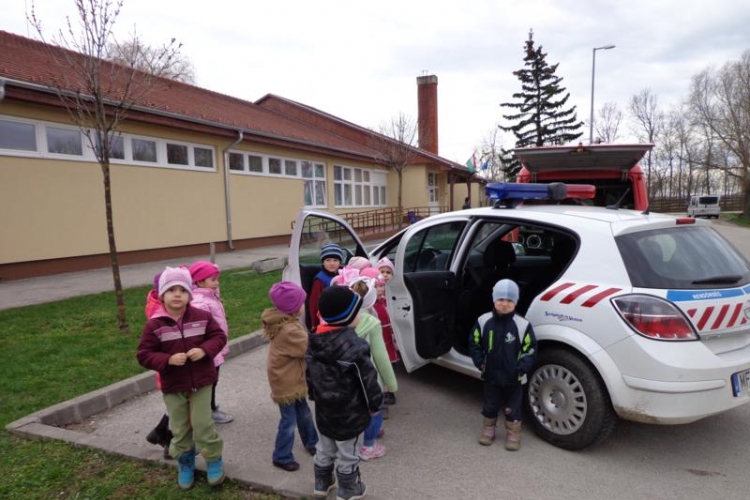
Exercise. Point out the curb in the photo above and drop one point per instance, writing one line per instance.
(48, 424)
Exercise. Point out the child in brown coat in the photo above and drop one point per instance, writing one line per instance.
(286, 371)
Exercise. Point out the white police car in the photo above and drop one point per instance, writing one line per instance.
(633, 318)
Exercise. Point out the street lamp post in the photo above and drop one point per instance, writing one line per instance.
(593, 72)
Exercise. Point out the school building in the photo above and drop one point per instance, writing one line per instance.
(190, 168)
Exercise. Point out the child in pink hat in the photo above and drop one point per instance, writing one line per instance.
(205, 290)
(187, 374)
(386, 269)
(286, 368)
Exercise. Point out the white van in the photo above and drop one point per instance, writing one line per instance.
(704, 206)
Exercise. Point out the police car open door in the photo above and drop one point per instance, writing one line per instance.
(311, 231)
(423, 292)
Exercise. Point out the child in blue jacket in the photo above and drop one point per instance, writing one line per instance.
(503, 347)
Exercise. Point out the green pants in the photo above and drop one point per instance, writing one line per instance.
(190, 422)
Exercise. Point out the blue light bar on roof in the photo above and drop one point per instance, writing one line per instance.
(502, 191)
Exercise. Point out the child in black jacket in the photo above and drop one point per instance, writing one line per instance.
(503, 347)
(344, 385)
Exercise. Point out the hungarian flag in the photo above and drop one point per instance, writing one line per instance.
(471, 163)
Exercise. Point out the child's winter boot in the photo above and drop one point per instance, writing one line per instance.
(186, 469)
(324, 481)
(215, 472)
(351, 486)
(160, 435)
(512, 435)
(488, 431)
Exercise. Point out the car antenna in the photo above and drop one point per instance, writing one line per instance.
(616, 206)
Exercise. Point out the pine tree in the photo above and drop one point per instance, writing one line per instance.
(541, 117)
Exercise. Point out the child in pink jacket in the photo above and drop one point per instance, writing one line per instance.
(206, 296)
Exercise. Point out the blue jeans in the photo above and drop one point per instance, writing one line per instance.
(376, 422)
(296, 414)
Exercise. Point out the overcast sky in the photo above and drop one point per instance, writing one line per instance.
(359, 60)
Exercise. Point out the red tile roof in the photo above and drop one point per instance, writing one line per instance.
(26, 61)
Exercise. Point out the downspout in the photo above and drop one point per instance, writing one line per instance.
(227, 201)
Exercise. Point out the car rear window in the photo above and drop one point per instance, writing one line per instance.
(708, 200)
(685, 257)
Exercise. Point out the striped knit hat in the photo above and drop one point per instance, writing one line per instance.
(331, 250)
(338, 305)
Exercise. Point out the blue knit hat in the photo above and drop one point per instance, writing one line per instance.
(331, 250)
(505, 289)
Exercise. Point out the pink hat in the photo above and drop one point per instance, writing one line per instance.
(369, 272)
(287, 297)
(174, 276)
(358, 262)
(203, 269)
(385, 262)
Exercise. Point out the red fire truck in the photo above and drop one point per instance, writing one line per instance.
(612, 168)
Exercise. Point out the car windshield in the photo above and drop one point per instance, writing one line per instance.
(682, 257)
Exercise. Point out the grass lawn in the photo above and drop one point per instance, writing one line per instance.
(737, 219)
(54, 352)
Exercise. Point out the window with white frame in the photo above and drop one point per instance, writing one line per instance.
(358, 187)
(64, 141)
(313, 174)
(24, 137)
(17, 135)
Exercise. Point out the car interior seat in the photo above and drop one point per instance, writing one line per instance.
(563, 249)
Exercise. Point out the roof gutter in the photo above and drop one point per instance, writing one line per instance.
(227, 200)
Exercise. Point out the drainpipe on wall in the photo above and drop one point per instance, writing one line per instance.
(226, 188)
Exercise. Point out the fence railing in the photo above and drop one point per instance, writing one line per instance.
(727, 203)
(387, 219)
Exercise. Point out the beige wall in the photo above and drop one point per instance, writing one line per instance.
(52, 208)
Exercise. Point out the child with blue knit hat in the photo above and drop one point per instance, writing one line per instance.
(331, 258)
(502, 346)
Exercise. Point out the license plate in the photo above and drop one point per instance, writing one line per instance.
(740, 383)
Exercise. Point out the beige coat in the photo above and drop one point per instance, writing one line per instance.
(286, 356)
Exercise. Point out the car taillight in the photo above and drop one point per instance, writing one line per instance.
(654, 318)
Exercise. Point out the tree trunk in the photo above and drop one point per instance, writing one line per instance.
(122, 320)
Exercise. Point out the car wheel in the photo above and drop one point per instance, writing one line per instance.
(568, 403)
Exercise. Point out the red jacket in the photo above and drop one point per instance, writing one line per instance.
(163, 336)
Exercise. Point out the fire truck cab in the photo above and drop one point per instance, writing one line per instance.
(612, 168)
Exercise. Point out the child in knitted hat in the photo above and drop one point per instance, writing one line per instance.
(370, 329)
(386, 270)
(331, 258)
(344, 385)
(286, 367)
(205, 277)
(185, 363)
(503, 363)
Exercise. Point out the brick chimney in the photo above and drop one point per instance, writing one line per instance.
(427, 122)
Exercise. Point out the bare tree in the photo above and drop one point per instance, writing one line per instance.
(135, 54)
(98, 95)
(608, 122)
(720, 102)
(397, 148)
(491, 157)
(644, 108)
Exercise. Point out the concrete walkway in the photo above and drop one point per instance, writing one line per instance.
(117, 418)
